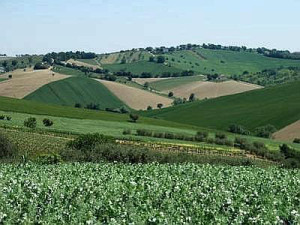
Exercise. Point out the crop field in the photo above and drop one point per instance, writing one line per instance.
(203, 89)
(76, 90)
(26, 82)
(134, 97)
(89, 61)
(68, 71)
(167, 84)
(209, 61)
(288, 133)
(142, 81)
(142, 66)
(278, 105)
(129, 56)
(148, 194)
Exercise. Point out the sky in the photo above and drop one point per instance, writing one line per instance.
(41, 26)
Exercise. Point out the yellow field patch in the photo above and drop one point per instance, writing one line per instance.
(136, 98)
(26, 82)
(205, 89)
(288, 133)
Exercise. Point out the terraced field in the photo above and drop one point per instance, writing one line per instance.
(24, 83)
(136, 98)
(74, 90)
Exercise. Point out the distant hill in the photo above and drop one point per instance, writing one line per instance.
(278, 105)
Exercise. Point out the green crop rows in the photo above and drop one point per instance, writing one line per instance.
(148, 194)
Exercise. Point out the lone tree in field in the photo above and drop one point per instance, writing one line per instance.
(192, 97)
(171, 94)
(149, 107)
(161, 59)
(160, 105)
(134, 117)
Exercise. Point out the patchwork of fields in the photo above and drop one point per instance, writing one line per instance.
(24, 83)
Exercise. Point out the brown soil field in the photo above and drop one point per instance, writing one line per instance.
(142, 81)
(136, 98)
(288, 133)
(79, 63)
(204, 89)
(24, 83)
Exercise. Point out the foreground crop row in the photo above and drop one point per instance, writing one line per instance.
(164, 194)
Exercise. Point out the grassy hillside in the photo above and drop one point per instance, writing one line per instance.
(68, 71)
(89, 61)
(225, 62)
(76, 90)
(167, 84)
(142, 66)
(205, 61)
(278, 105)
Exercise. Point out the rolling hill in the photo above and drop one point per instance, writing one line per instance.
(76, 90)
(278, 105)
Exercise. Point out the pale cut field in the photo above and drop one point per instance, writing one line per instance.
(142, 81)
(109, 59)
(288, 133)
(205, 89)
(79, 63)
(24, 83)
(136, 98)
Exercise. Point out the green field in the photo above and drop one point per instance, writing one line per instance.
(278, 105)
(225, 62)
(89, 61)
(142, 66)
(3, 79)
(76, 90)
(107, 193)
(68, 71)
(173, 82)
(129, 56)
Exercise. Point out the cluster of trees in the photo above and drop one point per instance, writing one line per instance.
(231, 48)
(263, 131)
(274, 53)
(41, 66)
(179, 101)
(3, 55)
(64, 56)
(93, 106)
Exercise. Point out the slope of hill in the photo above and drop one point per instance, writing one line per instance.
(278, 105)
(134, 97)
(23, 82)
(126, 57)
(76, 90)
(288, 133)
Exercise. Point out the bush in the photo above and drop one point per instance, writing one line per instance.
(8, 118)
(143, 132)
(220, 136)
(2, 117)
(297, 140)
(134, 117)
(40, 66)
(241, 143)
(7, 149)
(126, 132)
(77, 105)
(47, 122)
(265, 131)
(238, 129)
(169, 136)
(159, 135)
(49, 159)
(89, 141)
(30, 122)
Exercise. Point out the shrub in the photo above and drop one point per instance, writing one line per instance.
(238, 129)
(265, 131)
(47, 122)
(202, 134)
(220, 136)
(126, 132)
(159, 135)
(30, 122)
(149, 108)
(89, 141)
(134, 117)
(8, 118)
(40, 66)
(49, 159)
(241, 143)
(169, 136)
(77, 105)
(2, 117)
(289, 152)
(229, 143)
(7, 149)
(210, 140)
(297, 140)
(124, 109)
(143, 132)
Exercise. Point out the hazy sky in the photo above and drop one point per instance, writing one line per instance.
(41, 26)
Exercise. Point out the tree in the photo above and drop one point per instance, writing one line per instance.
(134, 117)
(171, 94)
(161, 59)
(78, 105)
(30, 60)
(160, 105)
(149, 108)
(14, 63)
(4, 64)
(47, 122)
(151, 59)
(192, 97)
(30, 122)
(123, 61)
(146, 85)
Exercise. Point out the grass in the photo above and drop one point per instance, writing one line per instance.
(129, 56)
(76, 90)
(3, 79)
(278, 105)
(170, 83)
(68, 71)
(225, 62)
(89, 61)
(142, 66)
